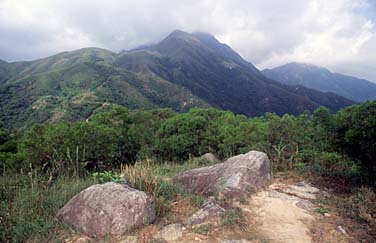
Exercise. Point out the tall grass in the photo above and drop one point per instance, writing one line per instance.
(163, 192)
(29, 203)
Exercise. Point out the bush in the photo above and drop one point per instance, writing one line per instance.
(331, 165)
(355, 134)
(8, 150)
(70, 147)
(106, 176)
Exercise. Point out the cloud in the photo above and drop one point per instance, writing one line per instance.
(338, 34)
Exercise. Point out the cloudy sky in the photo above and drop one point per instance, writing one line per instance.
(338, 34)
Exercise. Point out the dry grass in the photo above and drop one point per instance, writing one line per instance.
(141, 177)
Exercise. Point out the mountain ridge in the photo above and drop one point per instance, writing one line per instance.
(181, 71)
(322, 79)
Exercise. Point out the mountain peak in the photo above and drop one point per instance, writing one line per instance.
(201, 34)
(178, 34)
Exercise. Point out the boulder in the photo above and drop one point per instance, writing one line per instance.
(234, 178)
(107, 209)
(210, 157)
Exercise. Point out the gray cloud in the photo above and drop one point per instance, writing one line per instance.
(339, 34)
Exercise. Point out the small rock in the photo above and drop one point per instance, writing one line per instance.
(210, 212)
(302, 190)
(198, 239)
(130, 239)
(327, 214)
(305, 204)
(171, 232)
(236, 241)
(341, 229)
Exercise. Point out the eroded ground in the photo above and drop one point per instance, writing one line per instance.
(284, 212)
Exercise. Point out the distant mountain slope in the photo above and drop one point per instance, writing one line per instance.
(322, 79)
(73, 85)
(217, 74)
(182, 71)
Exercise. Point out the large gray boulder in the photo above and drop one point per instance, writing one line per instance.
(235, 177)
(108, 209)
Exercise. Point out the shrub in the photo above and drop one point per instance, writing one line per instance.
(8, 150)
(331, 165)
(106, 176)
(355, 134)
(70, 147)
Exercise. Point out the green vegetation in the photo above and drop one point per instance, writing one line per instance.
(234, 218)
(163, 192)
(181, 72)
(47, 164)
(29, 203)
(360, 205)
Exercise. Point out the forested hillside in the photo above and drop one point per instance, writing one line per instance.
(339, 148)
(180, 72)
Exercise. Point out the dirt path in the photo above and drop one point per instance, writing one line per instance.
(283, 213)
(280, 215)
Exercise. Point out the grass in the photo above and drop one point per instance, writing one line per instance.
(234, 218)
(203, 229)
(321, 210)
(29, 205)
(145, 177)
(169, 170)
(359, 205)
(30, 202)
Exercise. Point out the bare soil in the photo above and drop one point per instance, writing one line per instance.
(285, 212)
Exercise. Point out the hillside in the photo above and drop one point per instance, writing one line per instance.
(322, 79)
(182, 71)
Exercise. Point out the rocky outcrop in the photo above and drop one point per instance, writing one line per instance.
(211, 212)
(233, 178)
(108, 209)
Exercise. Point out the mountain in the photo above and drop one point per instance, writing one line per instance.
(182, 71)
(322, 79)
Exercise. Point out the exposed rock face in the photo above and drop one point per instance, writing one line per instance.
(234, 178)
(210, 213)
(302, 190)
(108, 209)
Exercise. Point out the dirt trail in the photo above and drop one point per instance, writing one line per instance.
(283, 213)
(281, 216)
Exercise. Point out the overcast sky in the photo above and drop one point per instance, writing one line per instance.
(338, 34)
